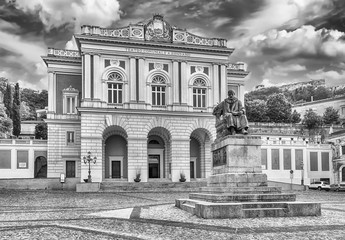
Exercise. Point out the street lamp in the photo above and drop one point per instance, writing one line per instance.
(89, 159)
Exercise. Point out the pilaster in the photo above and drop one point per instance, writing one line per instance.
(184, 83)
(142, 83)
(223, 83)
(137, 158)
(97, 78)
(132, 80)
(87, 76)
(216, 96)
(175, 83)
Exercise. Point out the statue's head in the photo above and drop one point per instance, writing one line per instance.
(231, 94)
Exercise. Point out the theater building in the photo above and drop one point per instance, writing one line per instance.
(140, 99)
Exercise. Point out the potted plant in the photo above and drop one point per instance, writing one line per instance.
(182, 177)
(137, 176)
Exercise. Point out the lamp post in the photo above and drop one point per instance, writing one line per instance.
(89, 159)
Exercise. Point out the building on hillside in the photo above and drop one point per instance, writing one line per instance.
(319, 106)
(140, 99)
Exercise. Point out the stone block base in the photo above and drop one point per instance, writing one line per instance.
(237, 180)
(211, 210)
(88, 187)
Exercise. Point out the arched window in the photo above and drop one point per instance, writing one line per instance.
(115, 87)
(199, 93)
(158, 90)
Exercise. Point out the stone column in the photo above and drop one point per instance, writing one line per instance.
(97, 83)
(175, 83)
(132, 80)
(87, 76)
(137, 158)
(181, 161)
(215, 81)
(142, 82)
(223, 83)
(241, 93)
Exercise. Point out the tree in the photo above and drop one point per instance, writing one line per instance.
(322, 93)
(8, 100)
(5, 121)
(295, 117)
(41, 131)
(331, 116)
(312, 121)
(16, 111)
(278, 108)
(25, 112)
(256, 111)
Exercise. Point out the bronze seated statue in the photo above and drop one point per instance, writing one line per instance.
(230, 117)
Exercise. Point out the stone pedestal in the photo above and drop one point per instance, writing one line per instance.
(237, 187)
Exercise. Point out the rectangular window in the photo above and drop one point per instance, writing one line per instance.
(343, 150)
(5, 159)
(299, 159)
(199, 97)
(264, 158)
(287, 159)
(325, 161)
(70, 169)
(114, 93)
(70, 105)
(158, 96)
(70, 138)
(313, 161)
(22, 159)
(275, 159)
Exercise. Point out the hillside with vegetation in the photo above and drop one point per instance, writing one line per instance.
(274, 104)
(18, 105)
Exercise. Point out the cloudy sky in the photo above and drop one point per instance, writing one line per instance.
(282, 41)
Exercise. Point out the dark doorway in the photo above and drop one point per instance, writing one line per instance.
(192, 174)
(40, 167)
(70, 169)
(116, 169)
(343, 174)
(154, 169)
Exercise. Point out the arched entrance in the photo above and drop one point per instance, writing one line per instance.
(200, 153)
(115, 153)
(40, 170)
(158, 148)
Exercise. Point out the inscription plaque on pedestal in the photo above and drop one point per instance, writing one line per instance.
(219, 157)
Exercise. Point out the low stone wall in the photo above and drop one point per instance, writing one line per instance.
(39, 184)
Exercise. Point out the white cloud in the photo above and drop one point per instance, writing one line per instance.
(289, 68)
(56, 13)
(283, 13)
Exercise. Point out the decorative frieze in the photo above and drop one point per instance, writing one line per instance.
(63, 53)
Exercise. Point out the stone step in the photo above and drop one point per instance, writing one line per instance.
(241, 190)
(225, 197)
(151, 186)
(264, 212)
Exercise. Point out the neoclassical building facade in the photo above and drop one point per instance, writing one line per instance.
(140, 99)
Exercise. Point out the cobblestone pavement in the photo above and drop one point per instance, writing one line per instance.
(71, 215)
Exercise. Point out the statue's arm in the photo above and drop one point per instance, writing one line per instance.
(218, 110)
